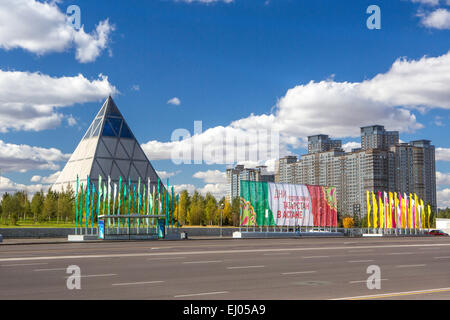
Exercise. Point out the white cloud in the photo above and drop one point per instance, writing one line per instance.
(165, 174)
(351, 145)
(7, 185)
(442, 179)
(427, 2)
(335, 108)
(28, 101)
(174, 101)
(217, 190)
(181, 187)
(41, 27)
(442, 154)
(443, 198)
(211, 176)
(22, 158)
(46, 180)
(438, 19)
(135, 87)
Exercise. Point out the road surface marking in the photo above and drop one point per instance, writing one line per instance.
(399, 253)
(199, 294)
(245, 267)
(313, 257)
(135, 283)
(364, 281)
(276, 254)
(195, 262)
(410, 265)
(447, 257)
(232, 251)
(359, 261)
(157, 259)
(97, 275)
(298, 272)
(54, 269)
(23, 264)
(395, 294)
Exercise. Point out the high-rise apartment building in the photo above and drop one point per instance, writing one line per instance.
(381, 164)
(238, 173)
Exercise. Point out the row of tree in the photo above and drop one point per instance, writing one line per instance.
(59, 207)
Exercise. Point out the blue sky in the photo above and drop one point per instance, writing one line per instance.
(224, 61)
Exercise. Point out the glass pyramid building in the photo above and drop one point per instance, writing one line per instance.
(108, 148)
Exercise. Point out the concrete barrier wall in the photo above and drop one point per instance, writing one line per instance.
(9, 233)
(36, 233)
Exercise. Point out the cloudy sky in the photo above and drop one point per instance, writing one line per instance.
(240, 67)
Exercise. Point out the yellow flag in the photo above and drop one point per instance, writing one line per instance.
(368, 209)
(390, 213)
(375, 211)
(429, 215)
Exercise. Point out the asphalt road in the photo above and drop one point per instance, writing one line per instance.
(411, 268)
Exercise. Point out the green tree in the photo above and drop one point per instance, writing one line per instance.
(196, 210)
(37, 205)
(210, 210)
(183, 203)
(50, 205)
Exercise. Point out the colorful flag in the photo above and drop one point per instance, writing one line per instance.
(381, 209)
(76, 204)
(100, 193)
(368, 209)
(416, 211)
(429, 215)
(375, 210)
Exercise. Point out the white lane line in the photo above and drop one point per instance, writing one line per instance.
(245, 267)
(447, 257)
(276, 254)
(314, 257)
(363, 281)
(23, 264)
(359, 251)
(97, 275)
(158, 259)
(298, 272)
(199, 262)
(232, 251)
(359, 261)
(136, 283)
(410, 265)
(199, 294)
(395, 294)
(399, 253)
(54, 269)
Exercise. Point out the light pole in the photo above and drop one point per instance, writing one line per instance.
(221, 217)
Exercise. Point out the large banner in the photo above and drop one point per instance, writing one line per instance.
(281, 204)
